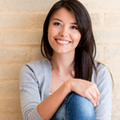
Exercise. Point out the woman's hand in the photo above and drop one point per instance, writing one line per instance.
(86, 89)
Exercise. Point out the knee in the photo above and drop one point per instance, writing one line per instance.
(77, 99)
(81, 104)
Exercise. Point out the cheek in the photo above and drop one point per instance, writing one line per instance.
(49, 30)
(77, 37)
(52, 32)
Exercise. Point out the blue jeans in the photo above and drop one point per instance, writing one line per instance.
(75, 107)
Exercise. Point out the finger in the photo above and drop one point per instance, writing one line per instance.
(88, 96)
(93, 91)
(94, 96)
(98, 95)
(96, 92)
(98, 98)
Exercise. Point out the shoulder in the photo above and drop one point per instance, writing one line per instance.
(37, 68)
(102, 69)
(37, 65)
(102, 76)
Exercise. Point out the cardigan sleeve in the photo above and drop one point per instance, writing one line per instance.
(29, 94)
(103, 110)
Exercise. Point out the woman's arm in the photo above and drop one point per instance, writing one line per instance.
(49, 106)
(104, 84)
(84, 88)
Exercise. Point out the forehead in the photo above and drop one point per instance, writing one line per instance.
(63, 14)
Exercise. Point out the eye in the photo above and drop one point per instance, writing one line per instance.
(57, 24)
(74, 27)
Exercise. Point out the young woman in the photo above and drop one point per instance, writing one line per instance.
(68, 84)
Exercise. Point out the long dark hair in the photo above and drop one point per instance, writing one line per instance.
(86, 50)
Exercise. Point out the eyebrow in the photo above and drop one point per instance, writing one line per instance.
(57, 19)
(62, 21)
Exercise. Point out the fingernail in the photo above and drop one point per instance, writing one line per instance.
(95, 104)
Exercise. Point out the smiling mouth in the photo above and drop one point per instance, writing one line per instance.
(62, 42)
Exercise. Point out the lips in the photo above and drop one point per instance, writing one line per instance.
(62, 41)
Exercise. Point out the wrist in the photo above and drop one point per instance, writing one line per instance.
(68, 85)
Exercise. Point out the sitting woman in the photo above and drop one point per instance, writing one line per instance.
(68, 84)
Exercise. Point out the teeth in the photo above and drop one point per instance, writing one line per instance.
(62, 42)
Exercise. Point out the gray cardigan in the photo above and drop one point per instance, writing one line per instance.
(35, 84)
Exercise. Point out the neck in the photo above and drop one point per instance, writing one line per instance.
(62, 64)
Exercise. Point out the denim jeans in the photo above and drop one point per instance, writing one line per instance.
(75, 107)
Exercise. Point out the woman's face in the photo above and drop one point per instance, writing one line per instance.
(63, 33)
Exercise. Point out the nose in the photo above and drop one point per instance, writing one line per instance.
(64, 32)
